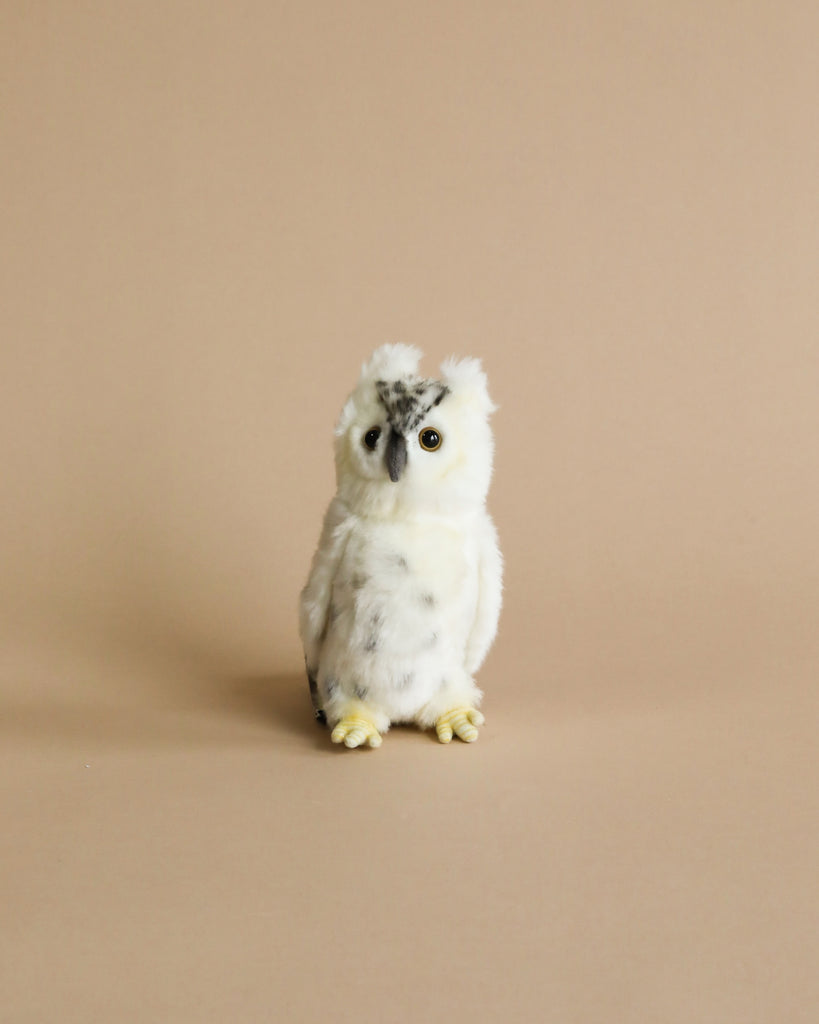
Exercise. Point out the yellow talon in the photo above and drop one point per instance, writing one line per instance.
(355, 730)
(462, 721)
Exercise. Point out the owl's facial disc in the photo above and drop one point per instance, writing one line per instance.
(396, 456)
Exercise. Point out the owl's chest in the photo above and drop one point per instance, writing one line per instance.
(398, 557)
(417, 578)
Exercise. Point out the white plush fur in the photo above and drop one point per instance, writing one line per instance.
(404, 593)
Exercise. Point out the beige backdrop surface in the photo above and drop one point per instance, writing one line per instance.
(211, 214)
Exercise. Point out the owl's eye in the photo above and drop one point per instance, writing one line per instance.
(371, 437)
(430, 439)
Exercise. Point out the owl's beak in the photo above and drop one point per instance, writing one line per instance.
(396, 455)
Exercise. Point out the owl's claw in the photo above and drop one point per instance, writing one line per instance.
(462, 721)
(355, 730)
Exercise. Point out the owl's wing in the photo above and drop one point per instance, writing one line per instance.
(490, 585)
(315, 597)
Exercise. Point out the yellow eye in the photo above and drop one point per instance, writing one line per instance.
(430, 439)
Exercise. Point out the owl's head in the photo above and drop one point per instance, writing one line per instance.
(408, 444)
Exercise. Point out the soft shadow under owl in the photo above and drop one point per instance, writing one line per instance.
(280, 704)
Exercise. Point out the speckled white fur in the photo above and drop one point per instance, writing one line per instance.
(404, 593)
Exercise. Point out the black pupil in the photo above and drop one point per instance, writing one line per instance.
(371, 438)
(430, 439)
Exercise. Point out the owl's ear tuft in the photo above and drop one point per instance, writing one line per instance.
(389, 362)
(466, 378)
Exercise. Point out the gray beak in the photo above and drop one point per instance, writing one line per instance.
(396, 455)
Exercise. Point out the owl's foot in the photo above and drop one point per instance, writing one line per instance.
(355, 730)
(462, 721)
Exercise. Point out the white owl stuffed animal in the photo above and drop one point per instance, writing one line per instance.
(404, 593)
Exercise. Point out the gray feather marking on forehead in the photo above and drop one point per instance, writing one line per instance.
(408, 401)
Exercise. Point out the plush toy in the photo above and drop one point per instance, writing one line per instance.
(402, 601)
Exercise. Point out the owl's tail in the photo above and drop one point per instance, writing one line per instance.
(315, 697)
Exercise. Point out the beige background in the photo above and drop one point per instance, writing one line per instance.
(211, 214)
